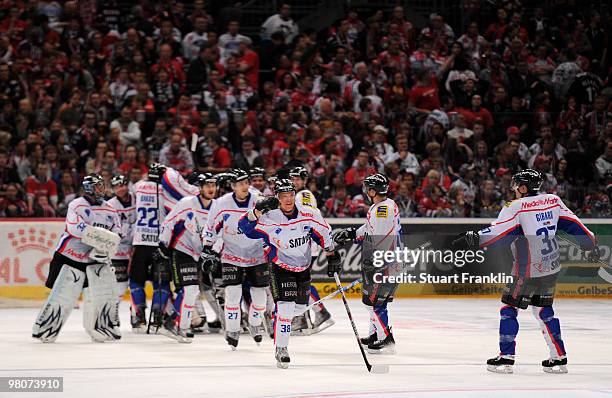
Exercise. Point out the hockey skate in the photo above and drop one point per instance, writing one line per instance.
(282, 357)
(256, 332)
(232, 339)
(366, 341)
(322, 320)
(197, 324)
(501, 364)
(170, 329)
(214, 326)
(139, 320)
(555, 365)
(383, 347)
(301, 325)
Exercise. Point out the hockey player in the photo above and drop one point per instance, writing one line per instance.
(529, 224)
(181, 241)
(242, 259)
(303, 324)
(258, 179)
(154, 197)
(288, 230)
(83, 267)
(125, 205)
(382, 231)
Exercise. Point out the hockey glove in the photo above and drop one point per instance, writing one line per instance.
(344, 236)
(266, 204)
(165, 251)
(210, 259)
(469, 238)
(334, 264)
(593, 255)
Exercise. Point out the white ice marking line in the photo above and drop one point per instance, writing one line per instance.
(251, 366)
(391, 393)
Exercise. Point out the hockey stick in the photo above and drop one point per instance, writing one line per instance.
(371, 368)
(603, 272)
(331, 295)
(159, 281)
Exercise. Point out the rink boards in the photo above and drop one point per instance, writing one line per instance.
(27, 245)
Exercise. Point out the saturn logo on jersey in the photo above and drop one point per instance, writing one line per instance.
(382, 211)
(299, 241)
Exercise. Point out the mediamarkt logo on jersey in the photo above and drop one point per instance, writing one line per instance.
(539, 202)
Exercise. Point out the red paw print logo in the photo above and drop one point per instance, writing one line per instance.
(32, 238)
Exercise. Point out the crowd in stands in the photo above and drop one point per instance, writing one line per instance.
(447, 112)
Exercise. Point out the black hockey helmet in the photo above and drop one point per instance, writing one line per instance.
(257, 172)
(192, 178)
(299, 171)
(156, 171)
(225, 178)
(240, 175)
(119, 179)
(204, 178)
(378, 182)
(532, 179)
(93, 185)
(283, 185)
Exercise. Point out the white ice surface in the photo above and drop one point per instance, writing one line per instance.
(441, 343)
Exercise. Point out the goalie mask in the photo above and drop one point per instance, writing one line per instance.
(93, 186)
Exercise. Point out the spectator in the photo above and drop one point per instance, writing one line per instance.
(176, 154)
(127, 128)
(11, 205)
(281, 22)
(355, 175)
(339, 205)
(130, 161)
(39, 185)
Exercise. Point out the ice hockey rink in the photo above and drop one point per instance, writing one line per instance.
(442, 345)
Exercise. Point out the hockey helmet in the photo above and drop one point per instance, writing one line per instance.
(119, 179)
(257, 172)
(204, 178)
(283, 185)
(532, 179)
(240, 175)
(378, 182)
(299, 171)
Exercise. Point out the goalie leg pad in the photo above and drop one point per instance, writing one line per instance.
(100, 317)
(67, 287)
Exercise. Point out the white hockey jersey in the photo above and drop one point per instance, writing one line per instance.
(170, 190)
(175, 188)
(289, 240)
(382, 229)
(529, 225)
(81, 213)
(237, 248)
(127, 216)
(184, 226)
